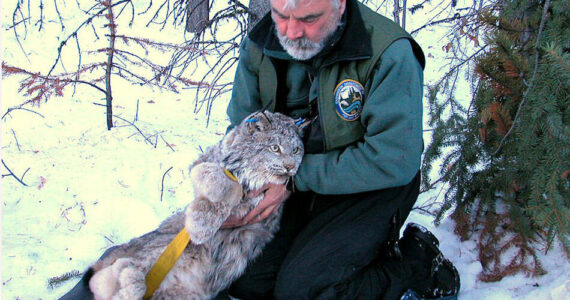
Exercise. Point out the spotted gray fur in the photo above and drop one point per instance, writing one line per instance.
(264, 148)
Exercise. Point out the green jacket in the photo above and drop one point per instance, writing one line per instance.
(368, 88)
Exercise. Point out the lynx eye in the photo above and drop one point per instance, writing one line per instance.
(296, 150)
(274, 148)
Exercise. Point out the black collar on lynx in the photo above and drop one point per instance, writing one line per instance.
(168, 258)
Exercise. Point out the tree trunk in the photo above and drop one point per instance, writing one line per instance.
(396, 12)
(198, 15)
(258, 9)
(110, 53)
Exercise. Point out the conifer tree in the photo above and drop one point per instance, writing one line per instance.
(506, 157)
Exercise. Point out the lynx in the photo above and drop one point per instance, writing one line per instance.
(264, 148)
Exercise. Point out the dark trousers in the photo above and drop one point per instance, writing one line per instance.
(328, 247)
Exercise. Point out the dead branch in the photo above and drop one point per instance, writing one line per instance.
(162, 184)
(20, 108)
(16, 139)
(167, 144)
(58, 15)
(137, 112)
(135, 126)
(44, 85)
(18, 10)
(20, 180)
(88, 21)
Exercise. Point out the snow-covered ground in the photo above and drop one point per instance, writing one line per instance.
(89, 188)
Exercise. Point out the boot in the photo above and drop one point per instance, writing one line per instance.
(436, 277)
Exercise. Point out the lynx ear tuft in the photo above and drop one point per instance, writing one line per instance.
(257, 121)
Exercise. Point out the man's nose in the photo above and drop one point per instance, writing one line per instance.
(294, 29)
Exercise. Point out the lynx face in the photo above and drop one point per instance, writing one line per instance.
(265, 147)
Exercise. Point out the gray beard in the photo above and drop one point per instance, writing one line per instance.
(303, 48)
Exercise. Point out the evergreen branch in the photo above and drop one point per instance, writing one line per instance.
(532, 79)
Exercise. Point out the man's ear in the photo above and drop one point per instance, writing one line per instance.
(341, 6)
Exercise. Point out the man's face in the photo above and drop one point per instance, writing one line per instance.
(302, 30)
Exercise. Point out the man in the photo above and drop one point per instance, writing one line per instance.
(356, 78)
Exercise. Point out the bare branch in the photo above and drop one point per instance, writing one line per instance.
(59, 15)
(15, 24)
(135, 126)
(22, 108)
(20, 180)
(167, 144)
(16, 139)
(162, 184)
(88, 21)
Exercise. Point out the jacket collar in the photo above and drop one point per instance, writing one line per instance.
(351, 41)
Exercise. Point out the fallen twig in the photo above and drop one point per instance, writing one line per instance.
(57, 280)
(137, 112)
(162, 184)
(15, 138)
(167, 144)
(135, 126)
(13, 175)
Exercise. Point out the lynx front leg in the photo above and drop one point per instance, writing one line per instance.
(215, 194)
(119, 281)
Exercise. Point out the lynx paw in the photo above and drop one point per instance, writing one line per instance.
(201, 226)
(119, 281)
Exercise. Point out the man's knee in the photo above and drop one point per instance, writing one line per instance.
(251, 286)
(310, 277)
(291, 284)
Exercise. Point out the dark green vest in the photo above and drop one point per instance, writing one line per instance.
(337, 131)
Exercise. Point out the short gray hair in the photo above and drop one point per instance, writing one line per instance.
(291, 4)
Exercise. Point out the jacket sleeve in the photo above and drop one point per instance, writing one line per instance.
(390, 153)
(245, 93)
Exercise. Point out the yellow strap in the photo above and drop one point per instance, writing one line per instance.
(165, 262)
(168, 258)
(230, 175)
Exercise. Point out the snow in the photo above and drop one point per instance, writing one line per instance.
(90, 188)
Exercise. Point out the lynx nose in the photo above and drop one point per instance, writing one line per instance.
(289, 167)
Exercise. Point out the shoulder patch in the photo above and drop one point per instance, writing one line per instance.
(348, 99)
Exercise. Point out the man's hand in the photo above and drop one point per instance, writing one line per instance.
(275, 195)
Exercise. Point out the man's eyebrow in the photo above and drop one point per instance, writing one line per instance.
(305, 18)
(313, 16)
(277, 12)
